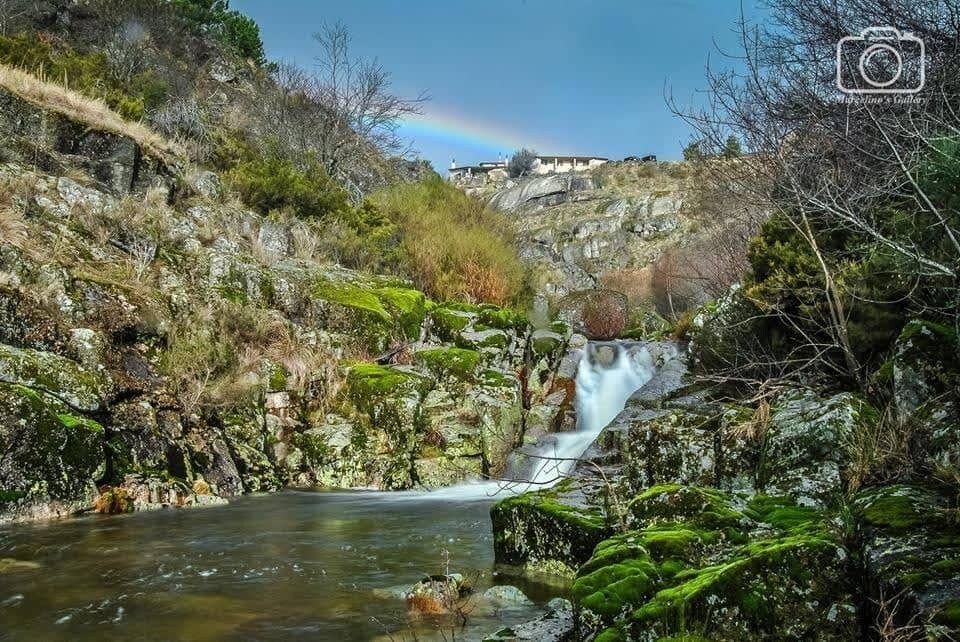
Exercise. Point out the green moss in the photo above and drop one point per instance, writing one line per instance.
(705, 507)
(496, 379)
(502, 318)
(610, 635)
(408, 307)
(458, 362)
(72, 421)
(894, 507)
(352, 296)
(449, 321)
(54, 374)
(278, 379)
(781, 512)
(738, 583)
(949, 614)
(373, 387)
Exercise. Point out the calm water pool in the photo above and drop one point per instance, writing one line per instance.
(290, 566)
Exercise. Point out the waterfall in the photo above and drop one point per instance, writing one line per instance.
(607, 374)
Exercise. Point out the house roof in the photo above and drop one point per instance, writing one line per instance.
(570, 158)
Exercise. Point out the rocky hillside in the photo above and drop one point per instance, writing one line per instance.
(609, 228)
(160, 344)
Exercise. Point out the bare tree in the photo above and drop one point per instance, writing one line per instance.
(522, 163)
(836, 167)
(363, 114)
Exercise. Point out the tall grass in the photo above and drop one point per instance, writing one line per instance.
(452, 245)
(75, 106)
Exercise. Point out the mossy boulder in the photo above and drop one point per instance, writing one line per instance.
(708, 563)
(49, 451)
(374, 312)
(925, 365)
(547, 533)
(668, 446)
(694, 505)
(458, 363)
(407, 307)
(790, 587)
(449, 320)
(803, 453)
(57, 376)
(388, 400)
(912, 551)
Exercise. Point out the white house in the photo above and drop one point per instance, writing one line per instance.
(496, 170)
(560, 164)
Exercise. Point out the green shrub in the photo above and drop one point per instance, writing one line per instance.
(214, 17)
(451, 245)
(270, 183)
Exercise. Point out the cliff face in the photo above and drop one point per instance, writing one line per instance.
(161, 345)
(608, 227)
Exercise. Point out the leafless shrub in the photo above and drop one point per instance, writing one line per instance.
(125, 51)
(143, 250)
(892, 625)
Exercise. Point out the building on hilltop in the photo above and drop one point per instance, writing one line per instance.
(545, 164)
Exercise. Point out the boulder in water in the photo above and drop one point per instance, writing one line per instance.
(437, 594)
(506, 595)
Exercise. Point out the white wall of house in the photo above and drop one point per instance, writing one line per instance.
(550, 165)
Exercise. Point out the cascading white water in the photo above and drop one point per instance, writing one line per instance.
(608, 373)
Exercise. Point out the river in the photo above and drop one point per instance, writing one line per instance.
(293, 565)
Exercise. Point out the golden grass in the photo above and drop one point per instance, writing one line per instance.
(92, 111)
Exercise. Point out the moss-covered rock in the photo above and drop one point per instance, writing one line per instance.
(803, 454)
(546, 532)
(456, 362)
(791, 587)
(708, 563)
(407, 307)
(52, 374)
(912, 551)
(49, 451)
(449, 320)
(924, 366)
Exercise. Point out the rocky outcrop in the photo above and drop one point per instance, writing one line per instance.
(582, 229)
(54, 143)
(333, 377)
(541, 191)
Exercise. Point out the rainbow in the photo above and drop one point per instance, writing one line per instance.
(468, 131)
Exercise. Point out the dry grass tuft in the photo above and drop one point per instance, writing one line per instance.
(92, 111)
(880, 451)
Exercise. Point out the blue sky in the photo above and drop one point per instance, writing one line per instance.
(562, 76)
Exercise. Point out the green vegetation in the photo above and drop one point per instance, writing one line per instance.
(273, 184)
(451, 245)
(232, 28)
(88, 73)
